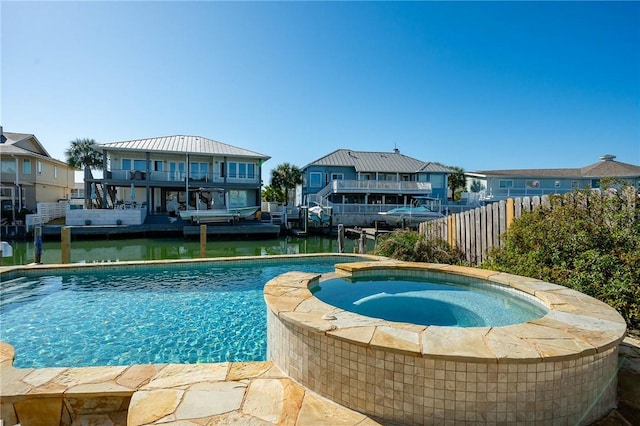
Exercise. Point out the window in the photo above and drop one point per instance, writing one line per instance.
(237, 198)
(26, 166)
(532, 184)
(140, 165)
(126, 164)
(241, 170)
(157, 166)
(199, 170)
(8, 165)
(337, 176)
(315, 180)
(39, 167)
(55, 172)
(176, 171)
(365, 176)
(575, 184)
(505, 184)
(557, 184)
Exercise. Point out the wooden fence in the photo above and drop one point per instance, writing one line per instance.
(476, 231)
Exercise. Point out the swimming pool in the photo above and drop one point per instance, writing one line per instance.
(191, 312)
(434, 299)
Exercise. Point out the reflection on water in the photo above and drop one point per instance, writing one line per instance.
(176, 248)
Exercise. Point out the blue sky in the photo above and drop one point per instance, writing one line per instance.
(479, 85)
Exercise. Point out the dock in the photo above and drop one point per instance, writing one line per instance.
(369, 233)
(162, 227)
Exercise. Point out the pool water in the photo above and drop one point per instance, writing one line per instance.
(159, 314)
(432, 301)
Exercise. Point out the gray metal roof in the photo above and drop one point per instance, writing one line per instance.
(182, 144)
(606, 167)
(388, 162)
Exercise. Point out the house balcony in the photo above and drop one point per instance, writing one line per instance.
(378, 187)
(175, 178)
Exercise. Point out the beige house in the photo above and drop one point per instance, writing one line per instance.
(29, 175)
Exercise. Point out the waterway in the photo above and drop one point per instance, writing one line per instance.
(173, 248)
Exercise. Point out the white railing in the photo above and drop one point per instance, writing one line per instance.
(380, 186)
(368, 186)
(45, 212)
(503, 194)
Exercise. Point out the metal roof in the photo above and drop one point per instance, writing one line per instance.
(366, 161)
(182, 144)
(606, 167)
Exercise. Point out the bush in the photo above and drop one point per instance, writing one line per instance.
(589, 242)
(411, 246)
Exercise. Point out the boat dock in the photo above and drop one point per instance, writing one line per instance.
(370, 233)
(161, 226)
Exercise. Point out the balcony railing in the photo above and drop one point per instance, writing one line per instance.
(372, 186)
(503, 194)
(175, 176)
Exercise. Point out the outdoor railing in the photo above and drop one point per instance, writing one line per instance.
(177, 176)
(338, 186)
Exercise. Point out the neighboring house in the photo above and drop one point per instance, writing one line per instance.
(157, 172)
(502, 184)
(349, 177)
(30, 175)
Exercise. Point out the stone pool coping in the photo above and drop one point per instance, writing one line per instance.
(576, 325)
(156, 394)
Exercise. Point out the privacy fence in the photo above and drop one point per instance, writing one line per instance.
(478, 230)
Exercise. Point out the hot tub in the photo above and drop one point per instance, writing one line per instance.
(558, 368)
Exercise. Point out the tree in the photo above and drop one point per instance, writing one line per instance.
(476, 186)
(457, 180)
(82, 154)
(272, 194)
(285, 177)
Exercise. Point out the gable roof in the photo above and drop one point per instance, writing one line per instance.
(22, 143)
(606, 167)
(27, 145)
(182, 144)
(367, 161)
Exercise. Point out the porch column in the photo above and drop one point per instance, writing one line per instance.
(146, 181)
(186, 182)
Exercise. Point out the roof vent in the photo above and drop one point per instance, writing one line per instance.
(607, 157)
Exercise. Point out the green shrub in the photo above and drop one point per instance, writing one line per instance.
(411, 246)
(589, 242)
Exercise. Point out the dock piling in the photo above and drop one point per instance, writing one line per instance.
(37, 243)
(65, 244)
(340, 238)
(203, 241)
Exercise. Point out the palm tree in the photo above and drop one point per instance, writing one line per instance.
(457, 180)
(272, 194)
(285, 177)
(82, 154)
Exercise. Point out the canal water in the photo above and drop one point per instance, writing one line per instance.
(173, 248)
